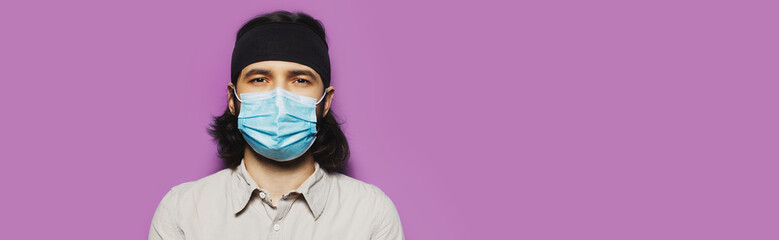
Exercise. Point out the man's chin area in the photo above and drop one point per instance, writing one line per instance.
(283, 164)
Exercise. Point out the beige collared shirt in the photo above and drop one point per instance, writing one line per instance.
(229, 205)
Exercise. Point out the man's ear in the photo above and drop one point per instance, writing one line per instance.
(230, 98)
(328, 99)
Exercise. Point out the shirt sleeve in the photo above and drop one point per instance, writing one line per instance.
(163, 224)
(388, 221)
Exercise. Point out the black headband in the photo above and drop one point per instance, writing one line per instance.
(285, 41)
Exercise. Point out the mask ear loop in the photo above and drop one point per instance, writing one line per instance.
(323, 98)
(236, 95)
(317, 103)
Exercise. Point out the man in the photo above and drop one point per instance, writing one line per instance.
(283, 149)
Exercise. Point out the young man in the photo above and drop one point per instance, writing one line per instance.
(282, 148)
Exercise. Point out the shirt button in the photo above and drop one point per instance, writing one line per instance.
(262, 194)
(276, 227)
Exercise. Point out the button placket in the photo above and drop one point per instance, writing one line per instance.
(282, 210)
(265, 197)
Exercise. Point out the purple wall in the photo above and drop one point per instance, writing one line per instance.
(480, 119)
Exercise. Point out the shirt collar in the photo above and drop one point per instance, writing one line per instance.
(315, 189)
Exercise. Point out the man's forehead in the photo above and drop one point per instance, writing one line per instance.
(278, 63)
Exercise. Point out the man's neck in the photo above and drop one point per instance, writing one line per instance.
(278, 178)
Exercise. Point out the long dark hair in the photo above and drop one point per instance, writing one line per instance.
(330, 150)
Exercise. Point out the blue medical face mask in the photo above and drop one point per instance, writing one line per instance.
(278, 124)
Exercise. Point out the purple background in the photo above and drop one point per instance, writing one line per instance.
(480, 119)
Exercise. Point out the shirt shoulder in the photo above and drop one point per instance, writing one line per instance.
(180, 199)
(206, 191)
(178, 194)
(371, 199)
(348, 187)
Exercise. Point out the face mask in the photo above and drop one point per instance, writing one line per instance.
(278, 124)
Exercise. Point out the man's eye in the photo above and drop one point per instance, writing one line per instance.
(301, 80)
(258, 80)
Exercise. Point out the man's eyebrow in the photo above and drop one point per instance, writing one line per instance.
(302, 72)
(294, 72)
(255, 71)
